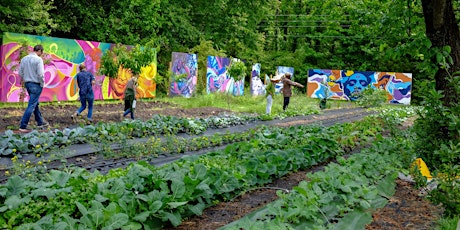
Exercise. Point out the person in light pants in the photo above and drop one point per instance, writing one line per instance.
(270, 93)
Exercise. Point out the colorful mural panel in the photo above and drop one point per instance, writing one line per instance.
(183, 63)
(346, 84)
(218, 80)
(257, 85)
(280, 70)
(62, 58)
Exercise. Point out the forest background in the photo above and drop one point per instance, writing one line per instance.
(333, 34)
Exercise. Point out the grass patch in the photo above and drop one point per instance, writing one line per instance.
(299, 103)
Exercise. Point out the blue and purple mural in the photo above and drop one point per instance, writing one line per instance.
(183, 64)
(218, 80)
(280, 70)
(257, 86)
(345, 84)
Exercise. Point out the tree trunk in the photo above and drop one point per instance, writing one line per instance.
(442, 30)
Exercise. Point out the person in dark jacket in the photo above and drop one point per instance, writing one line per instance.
(130, 96)
(85, 82)
(287, 89)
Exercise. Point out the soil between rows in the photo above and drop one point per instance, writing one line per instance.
(405, 210)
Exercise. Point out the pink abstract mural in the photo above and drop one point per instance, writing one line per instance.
(62, 58)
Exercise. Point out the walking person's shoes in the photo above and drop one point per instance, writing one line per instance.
(74, 116)
(44, 125)
(26, 130)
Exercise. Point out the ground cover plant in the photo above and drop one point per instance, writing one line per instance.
(114, 193)
(340, 197)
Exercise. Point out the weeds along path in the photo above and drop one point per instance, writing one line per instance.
(89, 156)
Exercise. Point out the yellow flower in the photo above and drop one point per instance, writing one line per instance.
(14, 159)
(7, 173)
(14, 150)
(40, 163)
(37, 146)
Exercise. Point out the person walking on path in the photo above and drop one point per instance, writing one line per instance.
(85, 82)
(270, 93)
(130, 96)
(287, 90)
(31, 71)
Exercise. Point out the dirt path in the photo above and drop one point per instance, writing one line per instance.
(59, 115)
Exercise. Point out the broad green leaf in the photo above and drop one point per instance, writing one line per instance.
(177, 204)
(174, 218)
(197, 209)
(177, 188)
(15, 185)
(354, 220)
(200, 171)
(141, 217)
(97, 216)
(3, 191)
(81, 208)
(116, 221)
(14, 201)
(60, 177)
(155, 206)
(132, 226)
(386, 187)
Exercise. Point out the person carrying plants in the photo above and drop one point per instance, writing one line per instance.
(130, 96)
(85, 82)
(31, 71)
(287, 90)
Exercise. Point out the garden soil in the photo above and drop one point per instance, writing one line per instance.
(407, 209)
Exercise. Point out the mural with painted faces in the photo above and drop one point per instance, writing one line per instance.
(355, 83)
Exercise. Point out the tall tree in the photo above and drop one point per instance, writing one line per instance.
(26, 16)
(442, 30)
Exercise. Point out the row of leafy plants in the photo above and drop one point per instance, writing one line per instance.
(146, 196)
(342, 196)
(42, 142)
(397, 153)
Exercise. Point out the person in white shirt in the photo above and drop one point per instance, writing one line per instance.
(31, 71)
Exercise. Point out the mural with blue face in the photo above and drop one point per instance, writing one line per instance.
(355, 82)
(346, 85)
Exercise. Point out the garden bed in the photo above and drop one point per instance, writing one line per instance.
(405, 210)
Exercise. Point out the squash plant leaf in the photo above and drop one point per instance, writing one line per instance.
(354, 220)
(15, 185)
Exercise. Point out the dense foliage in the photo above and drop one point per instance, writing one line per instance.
(331, 34)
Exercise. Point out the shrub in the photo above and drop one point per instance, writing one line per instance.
(371, 97)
